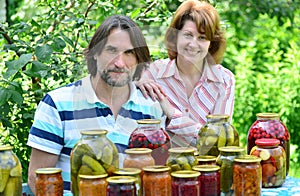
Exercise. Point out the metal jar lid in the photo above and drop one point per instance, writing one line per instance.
(231, 149)
(205, 158)
(94, 132)
(138, 151)
(206, 168)
(5, 147)
(48, 170)
(179, 150)
(185, 174)
(267, 142)
(149, 121)
(248, 159)
(127, 171)
(156, 168)
(84, 176)
(268, 115)
(121, 179)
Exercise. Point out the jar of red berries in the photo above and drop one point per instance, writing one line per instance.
(268, 125)
(149, 134)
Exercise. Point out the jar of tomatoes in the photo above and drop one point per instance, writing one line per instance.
(150, 135)
(185, 182)
(10, 172)
(49, 182)
(138, 158)
(247, 176)
(121, 186)
(93, 154)
(181, 158)
(209, 179)
(92, 184)
(215, 133)
(134, 172)
(226, 161)
(156, 181)
(273, 161)
(206, 160)
(269, 125)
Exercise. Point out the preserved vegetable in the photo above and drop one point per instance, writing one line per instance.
(134, 172)
(92, 185)
(49, 182)
(121, 186)
(181, 158)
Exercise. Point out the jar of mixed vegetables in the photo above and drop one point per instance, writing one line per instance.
(49, 182)
(92, 184)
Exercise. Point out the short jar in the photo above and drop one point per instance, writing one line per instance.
(138, 158)
(92, 184)
(121, 186)
(209, 179)
(185, 183)
(181, 158)
(49, 182)
(134, 172)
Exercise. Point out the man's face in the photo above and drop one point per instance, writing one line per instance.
(117, 62)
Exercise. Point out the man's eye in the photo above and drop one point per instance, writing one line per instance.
(111, 49)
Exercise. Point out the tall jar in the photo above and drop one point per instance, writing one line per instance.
(150, 135)
(93, 154)
(247, 176)
(273, 161)
(268, 125)
(134, 172)
(49, 182)
(226, 161)
(215, 133)
(92, 184)
(181, 158)
(156, 181)
(185, 183)
(121, 186)
(10, 172)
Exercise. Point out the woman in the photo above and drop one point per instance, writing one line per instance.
(192, 78)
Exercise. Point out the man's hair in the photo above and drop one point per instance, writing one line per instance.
(137, 39)
(205, 16)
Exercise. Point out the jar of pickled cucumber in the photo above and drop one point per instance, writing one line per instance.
(206, 160)
(150, 135)
(268, 125)
(10, 172)
(273, 161)
(92, 184)
(181, 158)
(49, 180)
(185, 183)
(226, 161)
(134, 172)
(157, 181)
(93, 154)
(217, 132)
(121, 186)
(247, 176)
(209, 179)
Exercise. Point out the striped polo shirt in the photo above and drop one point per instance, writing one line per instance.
(66, 111)
(213, 94)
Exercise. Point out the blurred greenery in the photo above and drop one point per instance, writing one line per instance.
(42, 43)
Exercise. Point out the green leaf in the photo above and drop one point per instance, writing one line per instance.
(58, 44)
(16, 97)
(14, 66)
(38, 69)
(68, 40)
(43, 53)
(4, 96)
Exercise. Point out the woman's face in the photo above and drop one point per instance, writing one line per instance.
(192, 45)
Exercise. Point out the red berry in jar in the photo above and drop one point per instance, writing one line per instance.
(150, 135)
(268, 125)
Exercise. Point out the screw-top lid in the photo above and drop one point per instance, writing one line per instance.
(204, 158)
(127, 171)
(267, 115)
(121, 179)
(156, 168)
(185, 174)
(267, 142)
(231, 149)
(138, 151)
(48, 170)
(217, 116)
(5, 147)
(180, 150)
(247, 159)
(149, 121)
(94, 132)
(206, 168)
(93, 176)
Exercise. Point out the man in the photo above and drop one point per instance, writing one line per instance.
(105, 99)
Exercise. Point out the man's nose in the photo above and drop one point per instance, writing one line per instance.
(119, 60)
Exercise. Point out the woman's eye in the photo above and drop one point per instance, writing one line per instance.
(187, 35)
(129, 52)
(202, 37)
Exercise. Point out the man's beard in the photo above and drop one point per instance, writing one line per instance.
(117, 83)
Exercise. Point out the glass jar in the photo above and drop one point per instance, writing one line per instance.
(273, 161)
(49, 182)
(134, 172)
(226, 161)
(121, 186)
(92, 184)
(268, 125)
(10, 172)
(247, 176)
(181, 158)
(93, 154)
(150, 135)
(156, 181)
(209, 179)
(138, 158)
(217, 132)
(206, 160)
(185, 182)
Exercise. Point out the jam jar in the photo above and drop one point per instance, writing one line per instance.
(185, 182)
(134, 172)
(138, 158)
(215, 133)
(268, 125)
(247, 176)
(209, 179)
(272, 161)
(92, 184)
(121, 186)
(157, 181)
(93, 154)
(150, 135)
(206, 160)
(49, 182)
(226, 161)
(10, 172)
(181, 158)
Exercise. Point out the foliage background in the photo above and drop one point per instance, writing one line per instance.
(42, 43)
